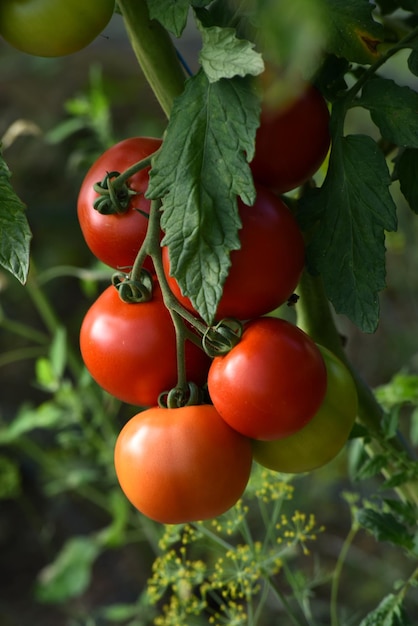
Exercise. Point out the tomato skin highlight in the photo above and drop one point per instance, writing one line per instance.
(266, 269)
(271, 383)
(292, 143)
(324, 435)
(182, 465)
(50, 28)
(116, 238)
(130, 349)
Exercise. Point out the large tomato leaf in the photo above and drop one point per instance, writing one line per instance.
(352, 31)
(348, 217)
(200, 170)
(15, 233)
(393, 109)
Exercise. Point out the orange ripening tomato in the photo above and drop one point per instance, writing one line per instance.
(182, 465)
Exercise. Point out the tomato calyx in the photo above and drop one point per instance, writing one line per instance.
(113, 198)
(114, 191)
(134, 289)
(181, 395)
(221, 338)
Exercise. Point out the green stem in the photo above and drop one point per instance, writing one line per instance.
(154, 51)
(336, 577)
(50, 319)
(283, 600)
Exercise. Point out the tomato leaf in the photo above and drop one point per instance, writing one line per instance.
(352, 31)
(390, 612)
(406, 171)
(393, 109)
(198, 173)
(223, 55)
(352, 209)
(172, 14)
(15, 233)
(385, 527)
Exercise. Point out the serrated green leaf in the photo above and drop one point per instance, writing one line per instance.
(15, 234)
(389, 613)
(406, 171)
(390, 422)
(400, 478)
(405, 510)
(371, 467)
(352, 209)
(223, 55)
(69, 575)
(198, 173)
(172, 14)
(385, 527)
(393, 109)
(352, 31)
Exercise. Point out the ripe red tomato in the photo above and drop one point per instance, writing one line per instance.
(182, 465)
(292, 143)
(116, 238)
(49, 28)
(130, 349)
(271, 383)
(266, 269)
(324, 435)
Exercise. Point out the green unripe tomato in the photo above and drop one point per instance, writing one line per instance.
(320, 440)
(53, 28)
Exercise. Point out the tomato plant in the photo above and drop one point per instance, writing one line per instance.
(266, 269)
(130, 348)
(271, 383)
(184, 464)
(276, 393)
(291, 142)
(51, 29)
(116, 237)
(322, 438)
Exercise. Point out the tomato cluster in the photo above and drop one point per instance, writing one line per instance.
(270, 393)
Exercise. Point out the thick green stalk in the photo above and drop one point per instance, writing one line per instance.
(154, 51)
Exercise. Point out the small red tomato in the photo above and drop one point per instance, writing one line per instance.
(116, 238)
(182, 465)
(292, 143)
(266, 269)
(130, 349)
(271, 383)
